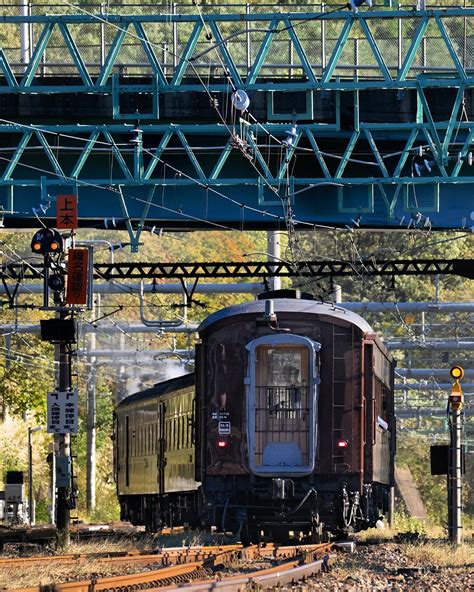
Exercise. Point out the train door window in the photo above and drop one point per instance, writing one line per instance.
(282, 401)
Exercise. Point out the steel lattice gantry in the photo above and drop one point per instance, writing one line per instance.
(382, 106)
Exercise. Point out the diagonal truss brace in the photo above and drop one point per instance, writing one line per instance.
(371, 26)
(326, 269)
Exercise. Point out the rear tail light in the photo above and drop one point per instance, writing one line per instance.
(342, 443)
(222, 443)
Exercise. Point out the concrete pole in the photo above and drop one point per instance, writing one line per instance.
(91, 430)
(121, 391)
(274, 254)
(336, 294)
(25, 32)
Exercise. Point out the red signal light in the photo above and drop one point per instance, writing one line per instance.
(342, 443)
(222, 443)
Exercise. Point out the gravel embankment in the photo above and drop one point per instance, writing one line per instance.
(395, 567)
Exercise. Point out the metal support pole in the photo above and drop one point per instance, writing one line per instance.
(63, 445)
(323, 40)
(455, 481)
(52, 509)
(91, 430)
(31, 505)
(175, 37)
(249, 42)
(391, 506)
(31, 520)
(102, 35)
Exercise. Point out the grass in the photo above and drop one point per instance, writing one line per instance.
(440, 554)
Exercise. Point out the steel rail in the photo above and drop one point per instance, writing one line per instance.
(168, 557)
(164, 576)
(262, 579)
(184, 571)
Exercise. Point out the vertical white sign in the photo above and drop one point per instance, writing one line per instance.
(62, 412)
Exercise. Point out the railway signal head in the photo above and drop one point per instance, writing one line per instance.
(47, 241)
(457, 372)
(56, 282)
(456, 398)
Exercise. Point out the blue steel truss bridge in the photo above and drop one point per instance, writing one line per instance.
(352, 119)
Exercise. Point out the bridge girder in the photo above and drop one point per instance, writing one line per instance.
(219, 176)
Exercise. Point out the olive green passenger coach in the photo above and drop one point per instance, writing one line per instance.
(154, 454)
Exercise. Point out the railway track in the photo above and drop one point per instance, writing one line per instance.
(197, 568)
(45, 535)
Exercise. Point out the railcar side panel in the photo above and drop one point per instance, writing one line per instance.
(179, 445)
(137, 448)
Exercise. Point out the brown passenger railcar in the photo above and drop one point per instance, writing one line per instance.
(289, 430)
(296, 427)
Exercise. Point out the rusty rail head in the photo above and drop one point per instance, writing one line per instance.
(190, 563)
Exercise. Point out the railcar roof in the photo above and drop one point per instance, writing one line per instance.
(293, 305)
(160, 388)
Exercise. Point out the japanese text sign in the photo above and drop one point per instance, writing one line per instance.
(77, 276)
(66, 211)
(62, 412)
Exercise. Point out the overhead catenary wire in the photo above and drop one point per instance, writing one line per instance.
(265, 180)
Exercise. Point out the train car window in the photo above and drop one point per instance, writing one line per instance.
(283, 374)
(282, 378)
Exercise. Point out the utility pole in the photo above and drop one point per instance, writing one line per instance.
(274, 253)
(455, 459)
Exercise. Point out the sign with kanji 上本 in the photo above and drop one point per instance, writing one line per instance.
(66, 211)
(62, 412)
(77, 276)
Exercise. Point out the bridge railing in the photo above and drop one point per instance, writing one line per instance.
(320, 47)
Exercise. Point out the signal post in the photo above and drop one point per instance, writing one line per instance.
(61, 331)
(455, 459)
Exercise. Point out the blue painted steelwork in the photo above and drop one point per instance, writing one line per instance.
(372, 29)
(211, 174)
